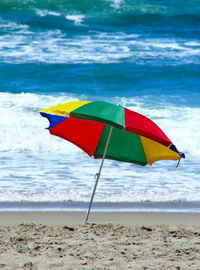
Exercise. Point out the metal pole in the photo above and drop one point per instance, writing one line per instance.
(98, 175)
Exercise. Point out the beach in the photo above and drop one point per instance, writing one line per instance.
(111, 240)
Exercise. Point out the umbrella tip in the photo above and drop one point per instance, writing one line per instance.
(173, 148)
(182, 155)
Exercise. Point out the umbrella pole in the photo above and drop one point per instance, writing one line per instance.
(98, 175)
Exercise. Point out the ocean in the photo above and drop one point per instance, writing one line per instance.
(141, 54)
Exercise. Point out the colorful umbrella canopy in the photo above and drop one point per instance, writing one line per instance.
(136, 138)
(105, 130)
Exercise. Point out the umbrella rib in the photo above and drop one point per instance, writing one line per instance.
(98, 174)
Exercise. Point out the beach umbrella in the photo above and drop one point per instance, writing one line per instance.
(108, 131)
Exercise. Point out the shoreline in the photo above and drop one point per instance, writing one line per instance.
(146, 206)
(60, 218)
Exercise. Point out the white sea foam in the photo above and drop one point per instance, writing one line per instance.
(116, 3)
(12, 26)
(55, 46)
(43, 13)
(55, 178)
(192, 43)
(78, 19)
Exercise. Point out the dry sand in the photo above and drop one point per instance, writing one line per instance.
(142, 244)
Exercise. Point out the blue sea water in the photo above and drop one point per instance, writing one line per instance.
(144, 55)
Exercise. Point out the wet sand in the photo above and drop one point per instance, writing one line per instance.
(112, 240)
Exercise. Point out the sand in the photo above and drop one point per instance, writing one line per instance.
(58, 240)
